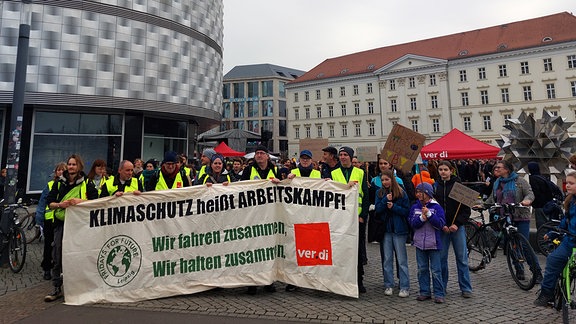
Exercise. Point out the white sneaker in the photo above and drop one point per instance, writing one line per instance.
(403, 293)
(388, 292)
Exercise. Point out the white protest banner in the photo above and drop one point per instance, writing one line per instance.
(182, 241)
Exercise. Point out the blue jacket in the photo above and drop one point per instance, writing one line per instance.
(427, 233)
(396, 218)
(568, 222)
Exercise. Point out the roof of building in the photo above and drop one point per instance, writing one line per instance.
(552, 29)
(262, 71)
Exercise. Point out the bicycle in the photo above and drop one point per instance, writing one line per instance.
(554, 216)
(28, 224)
(12, 238)
(482, 244)
(566, 284)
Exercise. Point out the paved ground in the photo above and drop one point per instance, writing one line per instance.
(496, 300)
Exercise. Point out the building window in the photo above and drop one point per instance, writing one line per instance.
(267, 89)
(507, 116)
(435, 125)
(524, 69)
(253, 89)
(392, 85)
(331, 130)
(357, 131)
(414, 125)
(296, 114)
(356, 108)
(412, 82)
(487, 121)
(369, 87)
(482, 73)
(355, 89)
(505, 95)
(502, 72)
(329, 92)
(371, 129)
(343, 109)
(393, 106)
(330, 111)
(432, 78)
(464, 96)
(553, 113)
(344, 130)
(571, 61)
(297, 132)
(463, 77)
(573, 88)
(434, 101)
(317, 94)
(342, 91)
(319, 131)
(413, 105)
(527, 90)
(306, 95)
(548, 65)
(370, 107)
(484, 97)
(238, 89)
(550, 91)
(308, 133)
(467, 123)
(296, 97)
(394, 122)
(307, 112)
(318, 112)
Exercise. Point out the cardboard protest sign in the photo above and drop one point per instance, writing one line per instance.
(464, 195)
(402, 147)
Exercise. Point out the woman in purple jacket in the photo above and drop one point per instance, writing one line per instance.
(427, 219)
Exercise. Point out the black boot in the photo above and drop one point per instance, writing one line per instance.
(55, 295)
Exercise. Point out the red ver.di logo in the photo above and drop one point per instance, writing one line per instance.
(313, 246)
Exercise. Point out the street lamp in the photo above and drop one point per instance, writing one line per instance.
(17, 112)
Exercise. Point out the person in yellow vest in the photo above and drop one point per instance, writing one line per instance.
(45, 219)
(205, 160)
(348, 174)
(122, 182)
(262, 168)
(216, 173)
(305, 167)
(71, 190)
(169, 176)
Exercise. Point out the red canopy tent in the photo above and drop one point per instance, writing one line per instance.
(226, 151)
(457, 145)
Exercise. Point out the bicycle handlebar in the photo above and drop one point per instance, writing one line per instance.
(558, 230)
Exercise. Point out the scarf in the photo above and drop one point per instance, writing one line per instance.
(305, 172)
(505, 189)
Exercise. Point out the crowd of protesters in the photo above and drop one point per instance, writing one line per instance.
(394, 207)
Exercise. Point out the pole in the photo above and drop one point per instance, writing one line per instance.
(17, 112)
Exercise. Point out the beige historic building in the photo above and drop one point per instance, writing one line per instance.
(473, 81)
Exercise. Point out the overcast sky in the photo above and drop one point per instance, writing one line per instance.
(300, 34)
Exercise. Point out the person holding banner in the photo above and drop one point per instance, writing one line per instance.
(262, 168)
(457, 214)
(123, 182)
(392, 206)
(427, 219)
(71, 190)
(169, 176)
(348, 174)
(216, 173)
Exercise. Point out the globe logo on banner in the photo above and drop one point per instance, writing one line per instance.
(119, 261)
(313, 245)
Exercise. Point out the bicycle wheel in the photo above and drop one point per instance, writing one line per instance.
(521, 261)
(17, 249)
(28, 226)
(476, 244)
(545, 247)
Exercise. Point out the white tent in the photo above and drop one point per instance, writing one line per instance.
(251, 156)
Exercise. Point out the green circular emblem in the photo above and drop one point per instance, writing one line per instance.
(119, 261)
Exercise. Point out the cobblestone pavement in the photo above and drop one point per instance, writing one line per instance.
(496, 299)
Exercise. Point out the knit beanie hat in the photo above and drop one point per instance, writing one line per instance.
(347, 150)
(208, 153)
(426, 188)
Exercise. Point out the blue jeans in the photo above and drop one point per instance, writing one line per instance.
(395, 244)
(458, 240)
(555, 262)
(429, 261)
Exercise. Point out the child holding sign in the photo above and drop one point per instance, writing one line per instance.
(457, 215)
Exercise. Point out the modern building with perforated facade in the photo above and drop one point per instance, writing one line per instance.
(111, 79)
